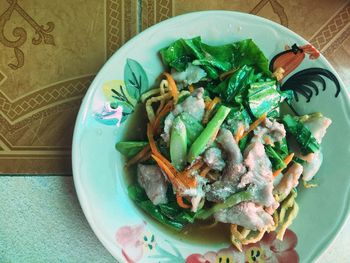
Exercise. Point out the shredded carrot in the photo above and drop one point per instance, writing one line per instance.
(146, 157)
(191, 88)
(212, 104)
(172, 86)
(267, 140)
(186, 176)
(239, 133)
(152, 143)
(165, 162)
(206, 103)
(255, 124)
(187, 179)
(288, 159)
(277, 172)
(205, 171)
(171, 176)
(139, 156)
(155, 151)
(176, 178)
(180, 201)
(166, 109)
(198, 164)
(160, 107)
(210, 108)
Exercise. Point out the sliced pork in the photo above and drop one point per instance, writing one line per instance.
(220, 190)
(312, 167)
(191, 75)
(151, 178)
(289, 180)
(270, 132)
(234, 168)
(318, 126)
(213, 158)
(193, 105)
(259, 175)
(246, 214)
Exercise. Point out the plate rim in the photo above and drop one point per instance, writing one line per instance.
(90, 92)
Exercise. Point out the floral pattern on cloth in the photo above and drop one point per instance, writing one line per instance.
(268, 250)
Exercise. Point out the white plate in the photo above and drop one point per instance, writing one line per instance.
(125, 231)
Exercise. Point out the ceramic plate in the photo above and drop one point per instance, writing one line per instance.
(131, 236)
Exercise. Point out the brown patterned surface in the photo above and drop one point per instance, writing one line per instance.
(50, 51)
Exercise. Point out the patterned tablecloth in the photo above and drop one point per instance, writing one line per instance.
(49, 53)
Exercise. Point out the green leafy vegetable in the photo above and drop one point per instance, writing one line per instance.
(276, 159)
(237, 82)
(168, 214)
(214, 59)
(221, 53)
(241, 95)
(263, 97)
(209, 131)
(173, 211)
(282, 148)
(233, 89)
(305, 139)
(130, 148)
(137, 193)
(203, 58)
(156, 213)
(236, 116)
(243, 143)
(183, 51)
(234, 120)
(298, 160)
(176, 55)
(178, 144)
(193, 127)
(246, 52)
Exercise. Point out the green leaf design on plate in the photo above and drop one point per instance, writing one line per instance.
(166, 256)
(127, 110)
(116, 93)
(127, 93)
(135, 78)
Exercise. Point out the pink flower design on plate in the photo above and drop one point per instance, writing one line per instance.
(134, 241)
(268, 250)
(109, 115)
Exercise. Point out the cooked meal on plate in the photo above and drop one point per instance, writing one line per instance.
(223, 142)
